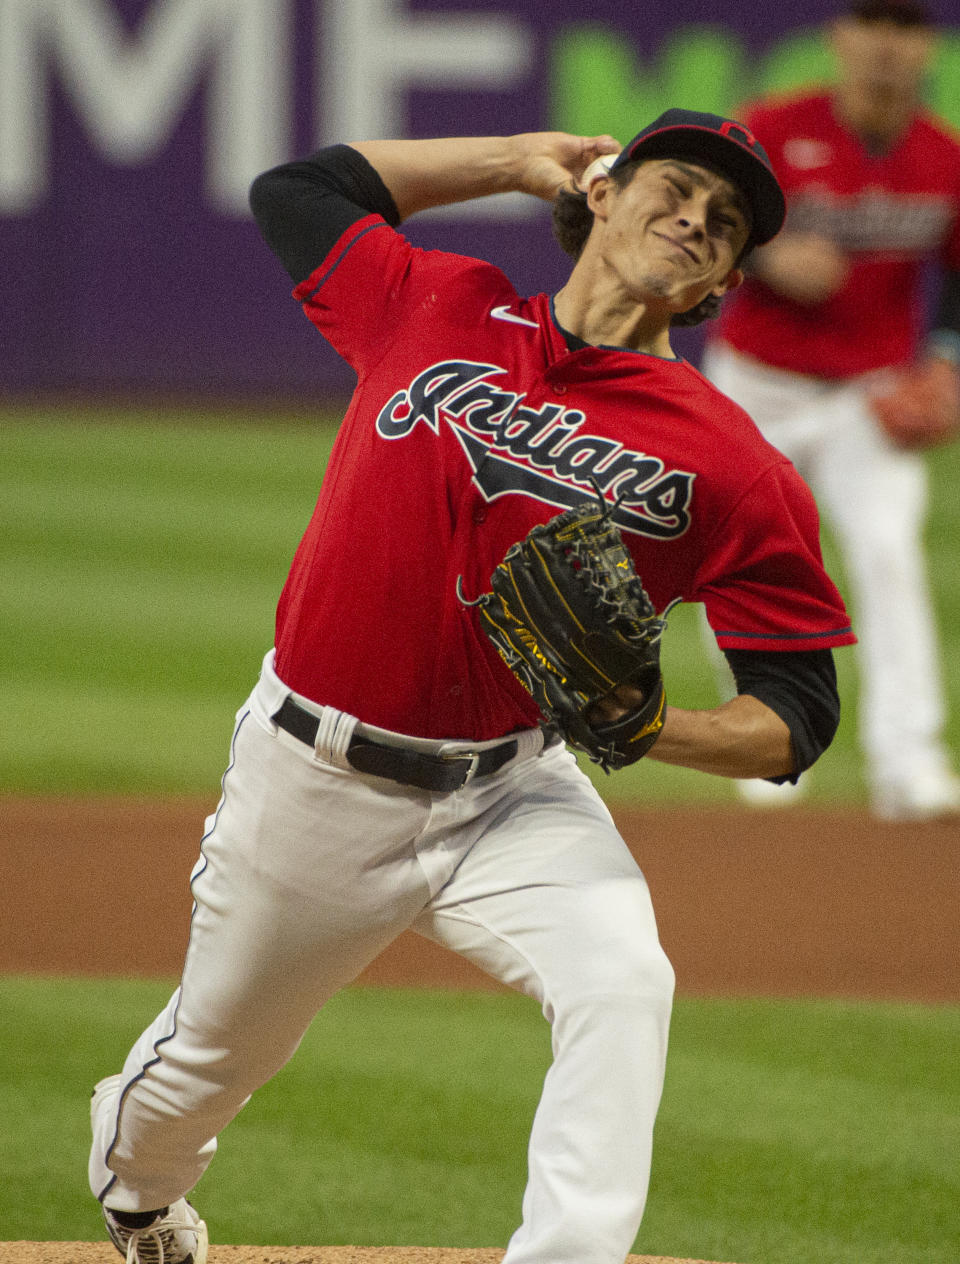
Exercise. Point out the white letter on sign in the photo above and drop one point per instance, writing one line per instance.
(372, 51)
(130, 90)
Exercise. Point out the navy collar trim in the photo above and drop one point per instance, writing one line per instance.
(576, 343)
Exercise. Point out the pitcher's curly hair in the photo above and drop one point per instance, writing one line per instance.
(573, 220)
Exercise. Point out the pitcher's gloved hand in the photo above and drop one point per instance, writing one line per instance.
(569, 616)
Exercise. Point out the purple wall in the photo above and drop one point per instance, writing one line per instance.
(124, 270)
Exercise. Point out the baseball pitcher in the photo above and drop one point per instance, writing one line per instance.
(520, 489)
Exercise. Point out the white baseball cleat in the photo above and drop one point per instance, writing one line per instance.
(169, 1235)
(172, 1235)
(934, 797)
(768, 794)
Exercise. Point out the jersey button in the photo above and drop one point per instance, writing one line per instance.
(480, 514)
(560, 389)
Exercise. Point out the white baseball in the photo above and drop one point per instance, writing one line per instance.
(599, 167)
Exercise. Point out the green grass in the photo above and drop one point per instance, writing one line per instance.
(142, 556)
(790, 1132)
(142, 561)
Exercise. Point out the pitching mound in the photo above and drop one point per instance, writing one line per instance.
(804, 902)
(103, 1253)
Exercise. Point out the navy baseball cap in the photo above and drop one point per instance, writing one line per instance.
(725, 144)
(908, 13)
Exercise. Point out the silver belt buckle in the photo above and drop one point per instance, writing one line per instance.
(472, 770)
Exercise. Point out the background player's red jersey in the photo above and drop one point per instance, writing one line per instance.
(890, 213)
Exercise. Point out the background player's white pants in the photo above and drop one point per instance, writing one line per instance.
(874, 497)
(309, 870)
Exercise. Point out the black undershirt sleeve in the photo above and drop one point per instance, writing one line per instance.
(303, 208)
(946, 325)
(801, 687)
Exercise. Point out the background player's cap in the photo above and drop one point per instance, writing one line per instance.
(899, 12)
(725, 144)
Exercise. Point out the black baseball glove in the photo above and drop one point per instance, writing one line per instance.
(570, 618)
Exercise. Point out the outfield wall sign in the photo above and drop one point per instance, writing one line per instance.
(130, 131)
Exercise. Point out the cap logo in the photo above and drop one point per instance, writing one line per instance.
(731, 125)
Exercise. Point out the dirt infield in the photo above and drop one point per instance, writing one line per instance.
(97, 1253)
(105, 1253)
(782, 903)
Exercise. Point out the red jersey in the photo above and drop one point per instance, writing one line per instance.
(892, 213)
(471, 422)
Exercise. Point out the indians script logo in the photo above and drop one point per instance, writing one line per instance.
(539, 452)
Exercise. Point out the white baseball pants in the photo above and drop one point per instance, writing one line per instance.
(309, 869)
(874, 496)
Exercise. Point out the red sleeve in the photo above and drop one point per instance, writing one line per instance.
(763, 582)
(352, 297)
(374, 288)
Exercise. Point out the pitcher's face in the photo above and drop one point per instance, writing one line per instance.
(674, 232)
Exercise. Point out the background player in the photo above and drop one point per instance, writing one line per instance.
(829, 313)
(388, 770)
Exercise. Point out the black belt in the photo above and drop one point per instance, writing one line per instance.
(440, 773)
